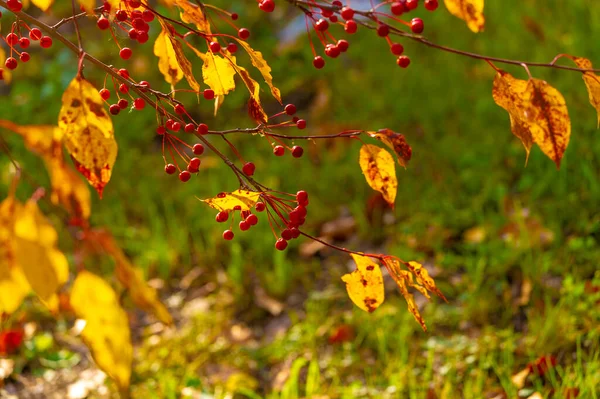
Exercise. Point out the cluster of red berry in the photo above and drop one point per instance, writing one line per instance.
(14, 39)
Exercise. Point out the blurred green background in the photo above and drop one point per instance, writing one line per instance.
(514, 249)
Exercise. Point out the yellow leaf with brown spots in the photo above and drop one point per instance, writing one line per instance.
(365, 284)
(193, 14)
(219, 73)
(470, 11)
(592, 82)
(88, 132)
(106, 330)
(380, 171)
(259, 63)
(181, 60)
(396, 142)
(255, 109)
(422, 276)
(167, 58)
(242, 200)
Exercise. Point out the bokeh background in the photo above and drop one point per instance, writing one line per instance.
(514, 248)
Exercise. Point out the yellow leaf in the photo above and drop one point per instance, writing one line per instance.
(218, 73)
(242, 200)
(255, 108)
(181, 60)
(167, 58)
(538, 113)
(69, 190)
(592, 82)
(259, 63)
(106, 331)
(43, 264)
(43, 5)
(423, 278)
(193, 14)
(89, 135)
(380, 171)
(365, 284)
(396, 142)
(88, 5)
(470, 11)
(144, 296)
(5, 74)
(44, 140)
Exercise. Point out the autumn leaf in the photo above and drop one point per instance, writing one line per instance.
(538, 113)
(218, 73)
(404, 279)
(255, 109)
(167, 58)
(43, 5)
(422, 276)
(131, 277)
(106, 330)
(396, 142)
(36, 251)
(192, 14)
(470, 11)
(89, 135)
(88, 5)
(242, 200)
(380, 172)
(592, 82)
(365, 284)
(259, 63)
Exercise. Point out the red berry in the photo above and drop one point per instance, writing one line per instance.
(123, 103)
(125, 53)
(46, 42)
(332, 51)
(202, 128)
(103, 23)
(397, 8)
(198, 149)
(281, 244)
(161, 130)
(189, 128)
(11, 63)
(318, 62)
(244, 225)
(105, 94)
(123, 88)
(176, 126)
(350, 26)
(209, 94)
(252, 219)
(24, 57)
(267, 5)
(295, 232)
(133, 35)
(244, 33)
(234, 16)
(301, 124)
(122, 72)
(215, 47)
(114, 109)
(145, 84)
(179, 109)
(431, 5)
(184, 176)
(326, 13)
(290, 109)
(397, 48)
(228, 235)
(170, 169)
(333, 18)
(260, 206)
(12, 39)
(337, 3)
(403, 61)
(14, 5)
(297, 151)
(249, 168)
(142, 37)
(321, 25)
(286, 234)
(347, 13)
(222, 216)
(169, 124)
(343, 45)
(121, 15)
(232, 48)
(302, 197)
(194, 165)
(383, 30)
(24, 42)
(139, 103)
(148, 16)
(35, 34)
(278, 150)
(416, 25)
(412, 4)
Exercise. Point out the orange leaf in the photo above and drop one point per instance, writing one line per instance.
(470, 11)
(396, 142)
(538, 113)
(365, 284)
(88, 132)
(380, 172)
(592, 82)
(242, 200)
(259, 63)
(192, 13)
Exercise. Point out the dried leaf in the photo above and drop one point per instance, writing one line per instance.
(592, 82)
(43, 5)
(470, 11)
(192, 14)
(259, 63)
(218, 73)
(365, 284)
(396, 142)
(380, 171)
(89, 135)
(538, 113)
(167, 58)
(422, 276)
(43, 264)
(255, 109)
(242, 200)
(106, 331)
